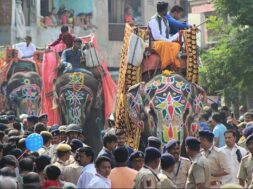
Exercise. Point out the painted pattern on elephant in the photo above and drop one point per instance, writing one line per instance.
(23, 92)
(26, 95)
(78, 95)
(163, 101)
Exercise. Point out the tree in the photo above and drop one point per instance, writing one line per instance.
(228, 67)
(240, 10)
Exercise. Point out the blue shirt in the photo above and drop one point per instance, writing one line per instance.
(176, 25)
(203, 126)
(72, 56)
(218, 132)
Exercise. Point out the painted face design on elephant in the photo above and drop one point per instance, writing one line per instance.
(168, 97)
(76, 99)
(165, 101)
(26, 98)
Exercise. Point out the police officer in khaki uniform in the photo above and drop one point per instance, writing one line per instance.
(180, 173)
(217, 159)
(246, 165)
(199, 173)
(147, 177)
(136, 160)
(154, 142)
(246, 132)
(167, 167)
(63, 152)
(73, 131)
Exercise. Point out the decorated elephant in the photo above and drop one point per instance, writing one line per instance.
(166, 106)
(22, 86)
(79, 98)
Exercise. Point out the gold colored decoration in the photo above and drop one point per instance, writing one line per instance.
(167, 72)
(192, 72)
(77, 81)
(129, 75)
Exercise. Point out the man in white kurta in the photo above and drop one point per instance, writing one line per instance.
(159, 25)
(26, 49)
(234, 154)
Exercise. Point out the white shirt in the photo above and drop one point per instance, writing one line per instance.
(154, 27)
(233, 162)
(88, 172)
(24, 50)
(99, 182)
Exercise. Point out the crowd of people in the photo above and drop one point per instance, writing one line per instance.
(67, 17)
(220, 155)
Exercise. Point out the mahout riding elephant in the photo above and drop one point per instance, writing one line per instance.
(166, 106)
(80, 101)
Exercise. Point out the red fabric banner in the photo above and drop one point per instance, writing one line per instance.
(49, 64)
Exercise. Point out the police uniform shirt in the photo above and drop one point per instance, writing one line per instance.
(199, 172)
(180, 173)
(246, 169)
(60, 164)
(166, 180)
(47, 151)
(72, 172)
(217, 160)
(146, 178)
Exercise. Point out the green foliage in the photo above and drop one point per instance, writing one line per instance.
(228, 67)
(240, 10)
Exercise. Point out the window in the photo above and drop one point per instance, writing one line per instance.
(66, 12)
(120, 12)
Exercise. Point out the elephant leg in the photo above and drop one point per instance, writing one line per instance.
(92, 131)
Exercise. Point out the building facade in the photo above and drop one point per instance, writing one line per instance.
(200, 11)
(24, 17)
